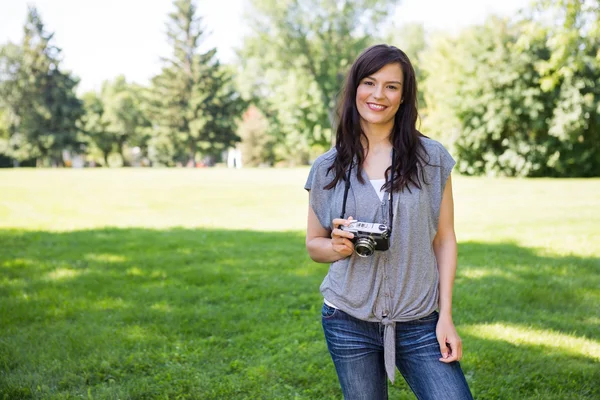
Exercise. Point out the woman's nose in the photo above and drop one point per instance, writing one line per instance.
(378, 93)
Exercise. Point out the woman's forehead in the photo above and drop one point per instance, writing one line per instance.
(389, 72)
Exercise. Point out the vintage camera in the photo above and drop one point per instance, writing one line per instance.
(368, 237)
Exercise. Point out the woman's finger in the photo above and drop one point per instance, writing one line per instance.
(340, 233)
(342, 221)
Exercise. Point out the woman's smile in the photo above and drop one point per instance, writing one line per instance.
(376, 107)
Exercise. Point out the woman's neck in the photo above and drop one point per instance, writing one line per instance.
(378, 138)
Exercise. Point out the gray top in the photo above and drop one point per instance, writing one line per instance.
(400, 284)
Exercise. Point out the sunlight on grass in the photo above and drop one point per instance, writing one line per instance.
(480, 273)
(110, 303)
(135, 271)
(214, 286)
(63, 273)
(274, 200)
(136, 332)
(519, 335)
(161, 307)
(17, 263)
(158, 274)
(306, 271)
(105, 258)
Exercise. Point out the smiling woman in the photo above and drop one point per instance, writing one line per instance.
(379, 96)
(389, 286)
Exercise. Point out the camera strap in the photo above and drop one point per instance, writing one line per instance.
(390, 193)
(346, 190)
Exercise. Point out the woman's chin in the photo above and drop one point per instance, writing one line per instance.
(378, 121)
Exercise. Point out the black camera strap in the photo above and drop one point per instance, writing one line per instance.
(390, 193)
(346, 190)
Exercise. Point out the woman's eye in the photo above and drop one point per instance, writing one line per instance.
(392, 87)
(368, 83)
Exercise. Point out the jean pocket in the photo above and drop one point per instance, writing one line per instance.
(327, 311)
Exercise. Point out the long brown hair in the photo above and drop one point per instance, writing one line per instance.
(409, 151)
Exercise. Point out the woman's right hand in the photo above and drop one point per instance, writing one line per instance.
(340, 240)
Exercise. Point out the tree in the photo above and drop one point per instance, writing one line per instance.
(195, 105)
(44, 103)
(410, 38)
(484, 94)
(521, 97)
(10, 64)
(95, 127)
(115, 118)
(571, 31)
(124, 114)
(257, 145)
(296, 59)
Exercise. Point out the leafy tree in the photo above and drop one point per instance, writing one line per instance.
(571, 31)
(194, 105)
(115, 118)
(95, 127)
(296, 60)
(411, 39)
(257, 145)
(124, 114)
(520, 97)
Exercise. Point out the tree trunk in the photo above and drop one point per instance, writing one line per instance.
(122, 153)
(192, 156)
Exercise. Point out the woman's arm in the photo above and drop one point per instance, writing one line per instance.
(445, 249)
(325, 247)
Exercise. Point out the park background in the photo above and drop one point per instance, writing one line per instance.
(137, 280)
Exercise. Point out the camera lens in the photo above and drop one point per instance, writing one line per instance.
(364, 247)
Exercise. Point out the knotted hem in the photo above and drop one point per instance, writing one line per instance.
(389, 347)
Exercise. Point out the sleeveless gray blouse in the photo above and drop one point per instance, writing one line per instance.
(400, 284)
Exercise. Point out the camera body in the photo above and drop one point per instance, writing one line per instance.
(368, 237)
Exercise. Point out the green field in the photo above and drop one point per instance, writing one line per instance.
(167, 284)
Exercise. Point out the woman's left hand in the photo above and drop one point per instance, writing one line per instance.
(450, 343)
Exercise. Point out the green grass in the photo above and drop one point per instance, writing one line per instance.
(143, 284)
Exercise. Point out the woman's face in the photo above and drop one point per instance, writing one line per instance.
(379, 95)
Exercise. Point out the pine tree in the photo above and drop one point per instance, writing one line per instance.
(194, 102)
(46, 104)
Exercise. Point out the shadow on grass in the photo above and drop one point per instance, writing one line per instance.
(139, 313)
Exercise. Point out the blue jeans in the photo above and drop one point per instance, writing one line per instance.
(356, 348)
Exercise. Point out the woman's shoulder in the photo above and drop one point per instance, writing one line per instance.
(319, 170)
(431, 146)
(325, 159)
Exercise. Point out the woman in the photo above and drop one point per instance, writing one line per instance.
(380, 309)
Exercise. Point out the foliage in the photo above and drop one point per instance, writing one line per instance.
(520, 98)
(115, 118)
(296, 59)
(571, 30)
(515, 97)
(411, 38)
(194, 102)
(41, 104)
(492, 93)
(95, 127)
(256, 144)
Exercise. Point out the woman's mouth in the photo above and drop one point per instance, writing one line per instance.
(376, 107)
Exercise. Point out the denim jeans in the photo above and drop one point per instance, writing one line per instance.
(356, 348)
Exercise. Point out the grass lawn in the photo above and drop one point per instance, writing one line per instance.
(167, 284)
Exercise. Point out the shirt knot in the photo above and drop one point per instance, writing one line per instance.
(389, 347)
